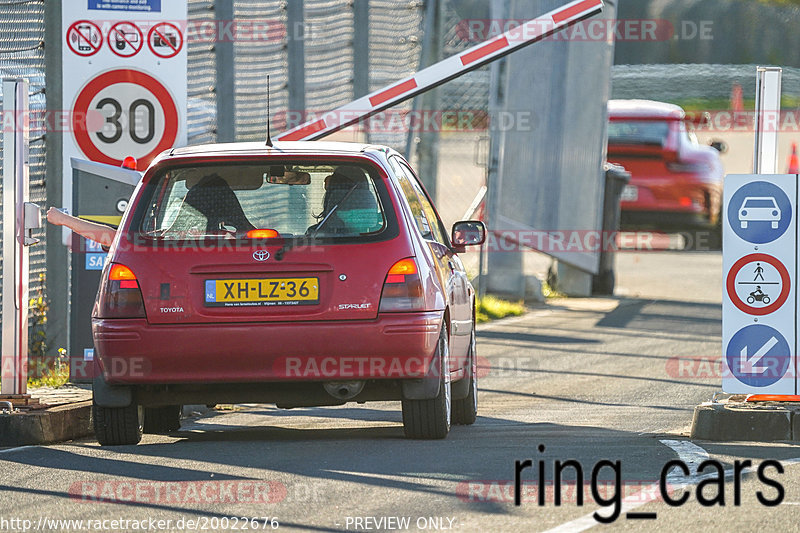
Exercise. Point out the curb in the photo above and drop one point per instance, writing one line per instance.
(46, 426)
(729, 421)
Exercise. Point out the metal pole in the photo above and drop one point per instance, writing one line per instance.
(428, 149)
(768, 110)
(428, 36)
(57, 261)
(360, 48)
(499, 10)
(296, 57)
(15, 256)
(225, 86)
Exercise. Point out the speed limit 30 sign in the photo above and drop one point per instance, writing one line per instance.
(140, 117)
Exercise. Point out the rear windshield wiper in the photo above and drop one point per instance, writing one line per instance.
(289, 244)
(334, 208)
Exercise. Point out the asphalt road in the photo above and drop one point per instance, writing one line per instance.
(590, 380)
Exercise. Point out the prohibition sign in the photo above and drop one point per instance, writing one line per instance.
(84, 38)
(127, 39)
(730, 284)
(158, 98)
(165, 40)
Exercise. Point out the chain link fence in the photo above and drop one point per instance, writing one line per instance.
(464, 104)
(22, 56)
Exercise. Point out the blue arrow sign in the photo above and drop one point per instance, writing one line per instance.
(758, 355)
(759, 212)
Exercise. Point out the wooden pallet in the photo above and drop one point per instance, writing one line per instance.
(20, 400)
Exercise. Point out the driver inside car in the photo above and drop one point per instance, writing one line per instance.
(211, 208)
(349, 206)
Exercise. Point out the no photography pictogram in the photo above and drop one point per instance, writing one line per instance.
(165, 40)
(84, 38)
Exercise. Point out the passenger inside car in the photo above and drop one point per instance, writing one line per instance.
(349, 206)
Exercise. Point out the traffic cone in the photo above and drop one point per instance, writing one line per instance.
(794, 164)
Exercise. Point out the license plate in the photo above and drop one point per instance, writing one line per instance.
(261, 292)
(630, 193)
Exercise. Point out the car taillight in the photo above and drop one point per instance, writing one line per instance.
(120, 295)
(262, 234)
(402, 290)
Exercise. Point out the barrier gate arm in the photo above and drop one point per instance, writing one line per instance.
(479, 55)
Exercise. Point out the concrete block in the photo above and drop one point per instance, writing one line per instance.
(573, 282)
(45, 426)
(742, 422)
(533, 289)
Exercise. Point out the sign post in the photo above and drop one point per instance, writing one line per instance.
(760, 258)
(768, 117)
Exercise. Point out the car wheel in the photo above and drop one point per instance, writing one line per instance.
(744, 224)
(162, 420)
(117, 426)
(775, 225)
(430, 419)
(465, 411)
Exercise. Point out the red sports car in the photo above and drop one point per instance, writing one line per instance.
(676, 183)
(303, 274)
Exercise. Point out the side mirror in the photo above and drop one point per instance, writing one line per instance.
(468, 233)
(719, 146)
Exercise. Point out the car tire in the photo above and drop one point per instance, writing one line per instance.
(430, 419)
(465, 411)
(117, 426)
(162, 420)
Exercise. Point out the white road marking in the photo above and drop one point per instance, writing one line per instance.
(17, 449)
(687, 452)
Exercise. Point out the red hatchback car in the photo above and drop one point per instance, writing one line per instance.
(303, 274)
(676, 183)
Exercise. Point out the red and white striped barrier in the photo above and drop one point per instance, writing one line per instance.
(532, 31)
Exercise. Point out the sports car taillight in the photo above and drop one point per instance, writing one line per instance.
(402, 290)
(120, 295)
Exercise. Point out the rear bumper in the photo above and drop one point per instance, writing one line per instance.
(394, 346)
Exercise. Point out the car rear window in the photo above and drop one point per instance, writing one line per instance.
(754, 203)
(296, 200)
(638, 132)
